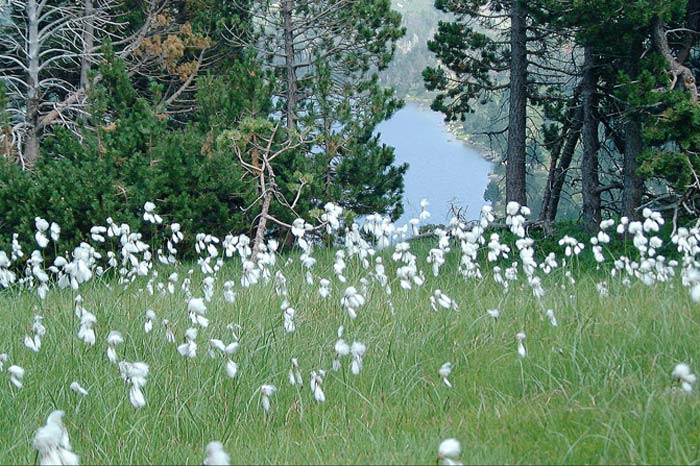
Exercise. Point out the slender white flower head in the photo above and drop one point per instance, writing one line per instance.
(266, 391)
(315, 384)
(135, 373)
(16, 374)
(150, 317)
(289, 325)
(444, 372)
(352, 301)
(357, 351)
(552, 318)
(86, 332)
(519, 337)
(52, 443)
(32, 343)
(149, 214)
(189, 347)
(493, 313)
(197, 311)
(77, 388)
(231, 369)
(449, 452)
(295, 374)
(113, 339)
(324, 288)
(215, 455)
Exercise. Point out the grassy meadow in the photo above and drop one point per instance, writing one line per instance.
(597, 388)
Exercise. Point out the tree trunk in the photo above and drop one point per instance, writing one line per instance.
(290, 68)
(559, 173)
(590, 182)
(570, 124)
(515, 156)
(262, 224)
(31, 147)
(88, 43)
(632, 182)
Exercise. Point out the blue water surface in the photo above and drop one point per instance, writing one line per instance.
(441, 169)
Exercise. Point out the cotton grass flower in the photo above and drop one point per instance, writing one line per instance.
(113, 339)
(294, 374)
(149, 214)
(552, 318)
(16, 374)
(441, 299)
(189, 347)
(444, 372)
(357, 350)
(135, 374)
(449, 452)
(52, 443)
(150, 317)
(324, 288)
(231, 369)
(352, 301)
(315, 385)
(229, 294)
(86, 332)
(215, 455)
(519, 337)
(32, 343)
(341, 349)
(266, 391)
(683, 374)
(289, 325)
(41, 227)
(493, 313)
(197, 311)
(77, 388)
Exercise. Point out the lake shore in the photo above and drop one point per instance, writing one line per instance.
(457, 130)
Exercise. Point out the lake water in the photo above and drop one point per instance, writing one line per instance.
(441, 169)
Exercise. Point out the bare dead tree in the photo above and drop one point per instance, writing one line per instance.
(257, 145)
(49, 51)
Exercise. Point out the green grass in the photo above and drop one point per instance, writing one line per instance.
(596, 389)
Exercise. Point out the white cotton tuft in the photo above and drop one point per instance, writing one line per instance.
(52, 443)
(231, 369)
(77, 388)
(215, 455)
(449, 451)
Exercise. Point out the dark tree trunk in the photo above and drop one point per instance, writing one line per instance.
(559, 173)
(515, 156)
(632, 181)
(590, 182)
(570, 128)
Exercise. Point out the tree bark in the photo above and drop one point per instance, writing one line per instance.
(88, 43)
(559, 173)
(31, 147)
(570, 127)
(515, 155)
(290, 66)
(590, 182)
(632, 181)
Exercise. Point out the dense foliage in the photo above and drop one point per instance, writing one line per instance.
(610, 92)
(146, 116)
